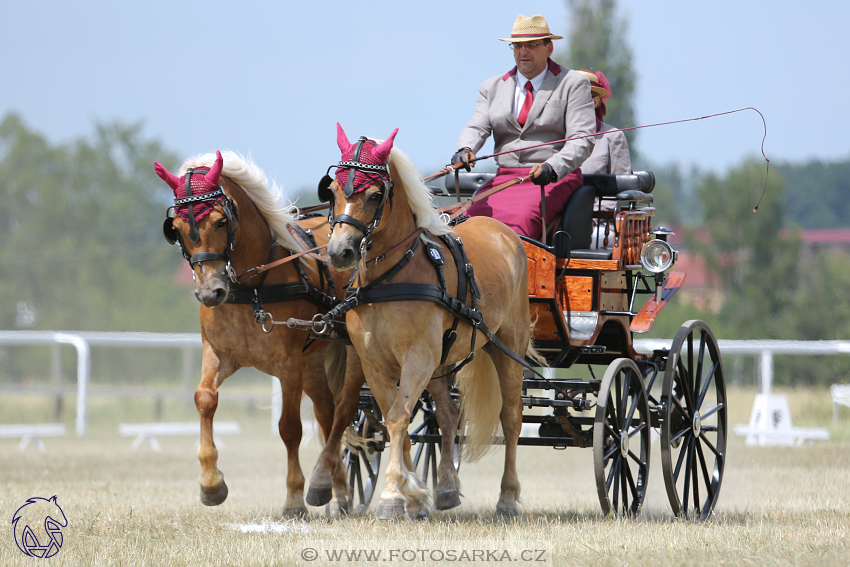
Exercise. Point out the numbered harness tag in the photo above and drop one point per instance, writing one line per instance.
(435, 255)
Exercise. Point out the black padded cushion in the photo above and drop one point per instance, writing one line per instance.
(634, 195)
(577, 221)
(469, 181)
(608, 185)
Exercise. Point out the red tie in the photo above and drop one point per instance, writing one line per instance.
(526, 106)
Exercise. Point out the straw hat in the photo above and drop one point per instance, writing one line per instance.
(594, 84)
(529, 29)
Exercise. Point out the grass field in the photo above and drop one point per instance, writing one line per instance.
(778, 505)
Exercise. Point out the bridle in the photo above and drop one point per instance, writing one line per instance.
(373, 172)
(215, 197)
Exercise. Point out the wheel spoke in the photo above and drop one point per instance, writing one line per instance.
(610, 478)
(700, 358)
(679, 405)
(637, 429)
(705, 475)
(680, 460)
(711, 446)
(632, 485)
(624, 472)
(712, 410)
(621, 398)
(688, 467)
(695, 475)
(614, 449)
(679, 434)
(707, 383)
(616, 491)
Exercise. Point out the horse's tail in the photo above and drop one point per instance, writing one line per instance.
(335, 361)
(480, 405)
(531, 353)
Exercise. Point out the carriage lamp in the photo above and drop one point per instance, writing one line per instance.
(657, 256)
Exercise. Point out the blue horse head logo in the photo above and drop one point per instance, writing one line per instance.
(37, 525)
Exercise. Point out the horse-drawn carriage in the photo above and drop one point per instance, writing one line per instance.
(583, 300)
(585, 292)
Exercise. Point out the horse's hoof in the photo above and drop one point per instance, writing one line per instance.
(295, 513)
(319, 496)
(333, 509)
(214, 497)
(507, 513)
(448, 499)
(390, 509)
(420, 516)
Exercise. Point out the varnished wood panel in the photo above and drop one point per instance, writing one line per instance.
(576, 264)
(577, 294)
(546, 328)
(541, 272)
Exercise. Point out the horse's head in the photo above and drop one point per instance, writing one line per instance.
(203, 222)
(357, 195)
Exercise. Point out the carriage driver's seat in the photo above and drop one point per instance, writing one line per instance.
(578, 215)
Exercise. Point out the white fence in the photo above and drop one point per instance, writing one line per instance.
(765, 350)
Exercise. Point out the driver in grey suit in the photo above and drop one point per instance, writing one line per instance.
(537, 101)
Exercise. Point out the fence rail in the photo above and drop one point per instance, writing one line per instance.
(82, 341)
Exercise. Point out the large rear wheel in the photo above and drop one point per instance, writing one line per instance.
(693, 428)
(621, 439)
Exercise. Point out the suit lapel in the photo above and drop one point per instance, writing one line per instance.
(541, 97)
(505, 98)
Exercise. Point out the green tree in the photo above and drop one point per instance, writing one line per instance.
(81, 246)
(753, 260)
(597, 43)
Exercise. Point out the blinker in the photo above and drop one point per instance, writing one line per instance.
(168, 230)
(325, 193)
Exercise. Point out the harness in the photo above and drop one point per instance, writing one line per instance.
(386, 291)
(241, 294)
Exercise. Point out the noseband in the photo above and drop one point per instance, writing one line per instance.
(373, 172)
(216, 197)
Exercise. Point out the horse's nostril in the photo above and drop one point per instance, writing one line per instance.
(219, 295)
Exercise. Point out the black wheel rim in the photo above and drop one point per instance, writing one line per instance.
(621, 440)
(693, 433)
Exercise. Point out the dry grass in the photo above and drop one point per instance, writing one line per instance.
(778, 506)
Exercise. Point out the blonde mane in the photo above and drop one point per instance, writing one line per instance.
(419, 197)
(268, 198)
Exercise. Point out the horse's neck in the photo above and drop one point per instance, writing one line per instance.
(396, 226)
(253, 239)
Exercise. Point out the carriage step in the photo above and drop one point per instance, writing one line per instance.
(593, 349)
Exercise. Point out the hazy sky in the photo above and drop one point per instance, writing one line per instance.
(271, 79)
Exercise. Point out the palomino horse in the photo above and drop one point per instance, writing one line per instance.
(236, 223)
(403, 331)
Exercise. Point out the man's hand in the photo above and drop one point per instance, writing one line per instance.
(543, 174)
(464, 156)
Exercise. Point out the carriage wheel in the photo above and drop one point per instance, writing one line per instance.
(693, 430)
(363, 459)
(621, 439)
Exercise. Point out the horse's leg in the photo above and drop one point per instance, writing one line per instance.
(324, 476)
(510, 384)
(213, 373)
(403, 489)
(290, 431)
(316, 388)
(448, 483)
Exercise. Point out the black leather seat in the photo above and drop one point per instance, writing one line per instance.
(469, 181)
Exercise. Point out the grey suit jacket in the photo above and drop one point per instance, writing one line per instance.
(563, 108)
(610, 154)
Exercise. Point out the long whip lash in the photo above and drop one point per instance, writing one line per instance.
(451, 168)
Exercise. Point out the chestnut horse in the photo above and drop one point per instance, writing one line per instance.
(236, 222)
(379, 204)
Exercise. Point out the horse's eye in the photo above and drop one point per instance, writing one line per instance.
(375, 196)
(221, 223)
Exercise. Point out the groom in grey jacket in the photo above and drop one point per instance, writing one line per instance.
(535, 102)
